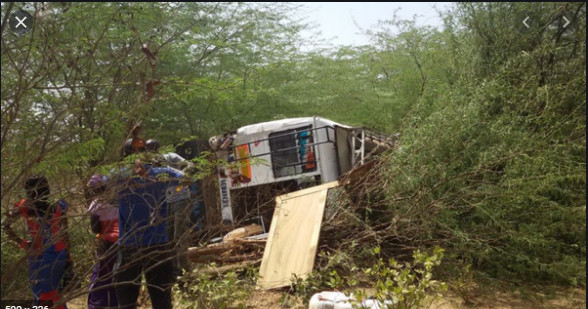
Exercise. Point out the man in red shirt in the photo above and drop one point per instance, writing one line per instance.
(47, 246)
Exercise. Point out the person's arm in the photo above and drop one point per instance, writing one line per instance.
(64, 228)
(174, 157)
(95, 223)
(11, 216)
(95, 206)
(69, 276)
(175, 174)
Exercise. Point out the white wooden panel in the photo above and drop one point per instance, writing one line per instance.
(293, 237)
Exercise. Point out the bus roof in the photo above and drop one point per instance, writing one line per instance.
(276, 125)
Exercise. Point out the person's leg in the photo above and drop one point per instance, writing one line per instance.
(102, 291)
(107, 275)
(50, 299)
(95, 296)
(182, 235)
(173, 220)
(127, 275)
(159, 272)
(45, 274)
(35, 266)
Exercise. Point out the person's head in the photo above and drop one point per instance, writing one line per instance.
(37, 188)
(97, 184)
(38, 192)
(133, 145)
(152, 145)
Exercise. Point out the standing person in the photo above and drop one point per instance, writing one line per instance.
(104, 222)
(144, 246)
(48, 246)
(179, 209)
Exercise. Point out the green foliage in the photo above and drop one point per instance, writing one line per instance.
(287, 301)
(14, 271)
(209, 290)
(494, 170)
(463, 282)
(334, 271)
(404, 285)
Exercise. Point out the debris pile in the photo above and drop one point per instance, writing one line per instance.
(232, 251)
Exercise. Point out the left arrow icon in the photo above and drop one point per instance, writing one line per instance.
(525, 22)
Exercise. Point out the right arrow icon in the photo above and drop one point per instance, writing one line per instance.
(566, 20)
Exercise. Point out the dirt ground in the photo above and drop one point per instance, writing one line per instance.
(569, 299)
(573, 298)
(555, 299)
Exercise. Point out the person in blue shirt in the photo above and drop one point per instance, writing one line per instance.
(144, 244)
(179, 206)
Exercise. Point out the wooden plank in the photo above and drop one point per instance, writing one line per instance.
(236, 249)
(293, 237)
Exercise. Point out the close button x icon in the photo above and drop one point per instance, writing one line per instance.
(21, 22)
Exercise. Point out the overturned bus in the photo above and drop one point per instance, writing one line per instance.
(271, 158)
